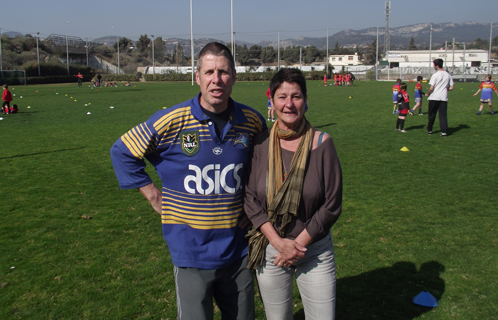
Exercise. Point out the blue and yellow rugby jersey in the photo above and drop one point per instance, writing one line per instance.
(202, 176)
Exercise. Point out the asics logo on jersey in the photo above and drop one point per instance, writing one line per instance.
(212, 179)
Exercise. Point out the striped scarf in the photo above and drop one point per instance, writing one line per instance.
(283, 193)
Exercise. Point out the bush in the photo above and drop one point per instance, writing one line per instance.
(118, 77)
(57, 69)
(370, 75)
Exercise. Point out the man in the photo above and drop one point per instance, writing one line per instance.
(200, 149)
(441, 82)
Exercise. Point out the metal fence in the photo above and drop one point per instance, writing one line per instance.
(410, 73)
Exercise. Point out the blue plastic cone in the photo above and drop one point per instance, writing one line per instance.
(425, 299)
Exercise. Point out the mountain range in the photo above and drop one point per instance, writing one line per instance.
(399, 37)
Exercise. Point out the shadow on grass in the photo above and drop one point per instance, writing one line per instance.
(38, 153)
(421, 126)
(456, 129)
(325, 125)
(121, 90)
(387, 293)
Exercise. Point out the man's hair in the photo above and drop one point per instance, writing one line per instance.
(288, 75)
(488, 76)
(5, 86)
(438, 63)
(217, 49)
(398, 80)
(403, 86)
(419, 78)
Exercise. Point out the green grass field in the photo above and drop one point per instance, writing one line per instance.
(75, 246)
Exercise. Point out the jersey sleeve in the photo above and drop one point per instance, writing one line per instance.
(128, 153)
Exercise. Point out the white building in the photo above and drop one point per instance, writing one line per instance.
(424, 58)
(344, 59)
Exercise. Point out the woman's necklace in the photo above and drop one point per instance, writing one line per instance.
(285, 169)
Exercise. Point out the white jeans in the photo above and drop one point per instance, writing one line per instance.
(315, 277)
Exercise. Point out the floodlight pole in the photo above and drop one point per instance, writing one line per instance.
(278, 51)
(453, 65)
(87, 52)
(464, 67)
(301, 58)
(38, 54)
(153, 61)
(67, 54)
(430, 52)
(327, 59)
(377, 56)
(231, 26)
(489, 52)
(192, 42)
(1, 65)
(117, 45)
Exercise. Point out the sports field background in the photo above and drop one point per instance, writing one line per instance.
(74, 246)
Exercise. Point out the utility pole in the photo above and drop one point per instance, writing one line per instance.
(387, 39)
(327, 58)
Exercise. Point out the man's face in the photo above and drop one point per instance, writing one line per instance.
(215, 79)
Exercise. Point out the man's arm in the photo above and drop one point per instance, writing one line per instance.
(153, 195)
(431, 89)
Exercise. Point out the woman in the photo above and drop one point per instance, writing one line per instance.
(293, 197)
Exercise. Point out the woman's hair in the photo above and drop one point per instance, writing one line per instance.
(403, 86)
(217, 49)
(288, 75)
(488, 76)
(5, 86)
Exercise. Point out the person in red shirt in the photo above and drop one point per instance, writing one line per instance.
(271, 113)
(325, 80)
(14, 109)
(6, 98)
(395, 95)
(347, 77)
(336, 79)
(403, 107)
(80, 79)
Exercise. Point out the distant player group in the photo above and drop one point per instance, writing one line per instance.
(440, 83)
(346, 79)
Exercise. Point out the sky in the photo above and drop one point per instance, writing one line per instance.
(253, 20)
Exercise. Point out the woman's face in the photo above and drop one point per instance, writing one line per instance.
(289, 105)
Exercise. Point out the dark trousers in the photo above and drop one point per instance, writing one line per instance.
(436, 106)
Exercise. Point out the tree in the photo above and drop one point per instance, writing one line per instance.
(312, 54)
(124, 44)
(412, 45)
(336, 49)
(479, 44)
(268, 54)
(143, 43)
(371, 52)
(242, 55)
(179, 55)
(255, 52)
(291, 55)
(160, 49)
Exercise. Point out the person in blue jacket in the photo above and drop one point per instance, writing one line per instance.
(200, 149)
